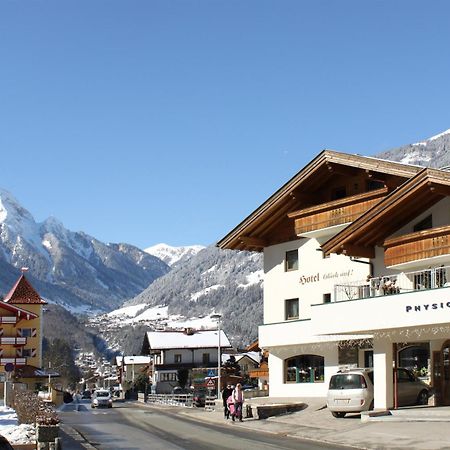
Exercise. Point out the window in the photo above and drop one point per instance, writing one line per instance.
(424, 224)
(305, 369)
(25, 332)
(291, 309)
(168, 376)
(177, 358)
(291, 260)
(205, 358)
(28, 353)
(327, 298)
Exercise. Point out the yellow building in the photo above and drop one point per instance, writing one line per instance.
(21, 335)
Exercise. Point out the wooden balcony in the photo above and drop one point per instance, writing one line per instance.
(15, 361)
(417, 246)
(336, 212)
(8, 319)
(13, 341)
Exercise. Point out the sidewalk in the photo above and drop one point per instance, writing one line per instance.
(409, 428)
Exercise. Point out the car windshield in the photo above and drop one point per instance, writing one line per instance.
(102, 394)
(347, 381)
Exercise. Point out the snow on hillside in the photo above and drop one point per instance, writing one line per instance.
(172, 255)
(253, 278)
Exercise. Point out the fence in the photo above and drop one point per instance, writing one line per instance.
(185, 400)
(432, 278)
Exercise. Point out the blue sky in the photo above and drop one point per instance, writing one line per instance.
(148, 121)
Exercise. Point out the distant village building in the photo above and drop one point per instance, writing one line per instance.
(172, 351)
(132, 366)
(356, 273)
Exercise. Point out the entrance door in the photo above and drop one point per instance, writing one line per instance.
(441, 375)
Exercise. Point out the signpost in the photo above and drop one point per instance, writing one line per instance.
(210, 384)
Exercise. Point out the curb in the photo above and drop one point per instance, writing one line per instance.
(77, 437)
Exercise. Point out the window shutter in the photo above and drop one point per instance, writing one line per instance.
(33, 332)
(19, 352)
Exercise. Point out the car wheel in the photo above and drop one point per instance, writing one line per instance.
(422, 398)
(338, 415)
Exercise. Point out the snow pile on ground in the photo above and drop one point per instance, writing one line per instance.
(11, 430)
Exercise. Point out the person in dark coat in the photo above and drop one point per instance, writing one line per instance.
(227, 391)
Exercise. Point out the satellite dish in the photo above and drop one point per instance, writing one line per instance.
(9, 367)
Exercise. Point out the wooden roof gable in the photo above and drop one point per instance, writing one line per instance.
(270, 224)
(23, 293)
(397, 209)
(18, 312)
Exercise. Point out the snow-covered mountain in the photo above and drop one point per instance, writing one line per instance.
(71, 268)
(173, 255)
(212, 281)
(432, 152)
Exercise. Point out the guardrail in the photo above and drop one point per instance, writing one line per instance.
(185, 400)
(171, 399)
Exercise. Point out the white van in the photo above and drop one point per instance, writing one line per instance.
(351, 391)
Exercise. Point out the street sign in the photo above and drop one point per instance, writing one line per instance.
(210, 383)
(9, 367)
(211, 373)
(2, 377)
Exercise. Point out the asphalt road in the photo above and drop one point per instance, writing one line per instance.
(127, 426)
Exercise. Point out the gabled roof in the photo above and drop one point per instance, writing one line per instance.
(250, 234)
(397, 209)
(23, 293)
(18, 312)
(166, 340)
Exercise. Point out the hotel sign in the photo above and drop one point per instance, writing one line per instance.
(316, 277)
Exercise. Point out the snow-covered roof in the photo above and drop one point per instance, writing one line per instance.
(128, 360)
(164, 340)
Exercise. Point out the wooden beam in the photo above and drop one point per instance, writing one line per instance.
(354, 250)
(252, 241)
(341, 170)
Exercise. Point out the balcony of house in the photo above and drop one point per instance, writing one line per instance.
(176, 366)
(431, 247)
(8, 320)
(329, 218)
(17, 341)
(15, 361)
(405, 300)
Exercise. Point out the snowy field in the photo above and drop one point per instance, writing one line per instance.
(11, 430)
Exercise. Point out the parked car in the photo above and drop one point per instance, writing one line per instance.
(351, 391)
(101, 397)
(199, 398)
(87, 394)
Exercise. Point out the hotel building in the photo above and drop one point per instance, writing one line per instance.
(356, 274)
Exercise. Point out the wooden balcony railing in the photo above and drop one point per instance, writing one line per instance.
(15, 361)
(13, 340)
(337, 212)
(8, 319)
(417, 246)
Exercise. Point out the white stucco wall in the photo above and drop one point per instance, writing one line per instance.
(315, 277)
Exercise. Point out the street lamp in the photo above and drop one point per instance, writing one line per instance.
(218, 317)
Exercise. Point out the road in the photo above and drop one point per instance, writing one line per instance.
(128, 426)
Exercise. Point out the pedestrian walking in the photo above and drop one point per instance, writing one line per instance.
(226, 393)
(238, 400)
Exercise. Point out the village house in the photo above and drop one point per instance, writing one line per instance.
(356, 274)
(173, 351)
(21, 320)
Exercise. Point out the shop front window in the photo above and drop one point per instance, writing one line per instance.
(305, 369)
